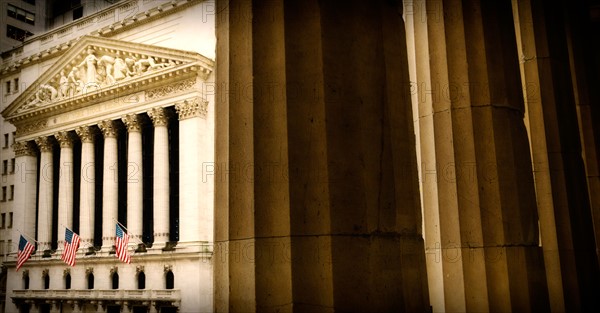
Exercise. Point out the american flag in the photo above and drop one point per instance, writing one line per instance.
(121, 242)
(25, 251)
(71, 246)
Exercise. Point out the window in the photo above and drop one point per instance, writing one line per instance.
(7, 83)
(5, 141)
(141, 280)
(12, 192)
(169, 280)
(20, 14)
(10, 219)
(4, 167)
(12, 165)
(17, 33)
(47, 281)
(78, 13)
(25, 281)
(90, 281)
(3, 221)
(115, 281)
(1, 247)
(16, 88)
(32, 2)
(68, 281)
(3, 193)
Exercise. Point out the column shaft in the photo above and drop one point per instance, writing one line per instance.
(65, 186)
(25, 191)
(134, 177)
(87, 183)
(44, 221)
(161, 176)
(110, 186)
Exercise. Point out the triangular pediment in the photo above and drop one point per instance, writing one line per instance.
(97, 67)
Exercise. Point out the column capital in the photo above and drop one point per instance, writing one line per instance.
(23, 148)
(159, 116)
(65, 139)
(195, 107)
(133, 122)
(85, 133)
(44, 143)
(108, 128)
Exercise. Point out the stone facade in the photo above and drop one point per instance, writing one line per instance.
(112, 127)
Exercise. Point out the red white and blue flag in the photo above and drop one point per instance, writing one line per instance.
(25, 251)
(71, 246)
(121, 242)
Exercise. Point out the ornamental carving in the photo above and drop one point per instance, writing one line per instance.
(65, 139)
(132, 122)
(108, 128)
(23, 148)
(89, 270)
(139, 268)
(170, 89)
(95, 71)
(44, 143)
(158, 116)
(168, 268)
(66, 271)
(195, 107)
(114, 270)
(85, 133)
(32, 127)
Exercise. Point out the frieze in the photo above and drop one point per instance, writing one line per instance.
(23, 148)
(170, 89)
(32, 127)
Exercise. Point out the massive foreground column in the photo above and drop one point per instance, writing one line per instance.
(317, 203)
(110, 184)
(25, 191)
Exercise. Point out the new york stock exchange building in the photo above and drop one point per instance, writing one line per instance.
(302, 156)
(112, 123)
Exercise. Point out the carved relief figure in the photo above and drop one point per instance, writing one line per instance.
(89, 63)
(108, 62)
(120, 68)
(63, 89)
(74, 83)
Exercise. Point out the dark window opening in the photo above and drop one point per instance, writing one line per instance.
(173, 128)
(26, 282)
(78, 13)
(17, 33)
(47, 281)
(68, 281)
(148, 180)
(141, 280)
(55, 190)
(90, 281)
(98, 177)
(169, 280)
(115, 281)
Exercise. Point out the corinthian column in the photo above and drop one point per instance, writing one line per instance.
(110, 186)
(25, 189)
(87, 183)
(134, 178)
(195, 200)
(65, 185)
(45, 198)
(161, 176)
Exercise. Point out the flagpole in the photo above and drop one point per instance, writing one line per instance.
(28, 237)
(87, 245)
(127, 230)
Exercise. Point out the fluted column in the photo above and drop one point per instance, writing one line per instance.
(195, 195)
(25, 190)
(161, 176)
(110, 186)
(44, 222)
(135, 185)
(65, 185)
(87, 183)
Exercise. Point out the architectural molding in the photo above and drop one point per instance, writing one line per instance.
(158, 116)
(133, 122)
(108, 128)
(24, 148)
(32, 127)
(85, 133)
(44, 143)
(65, 139)
(195, 107)
(175, 88)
